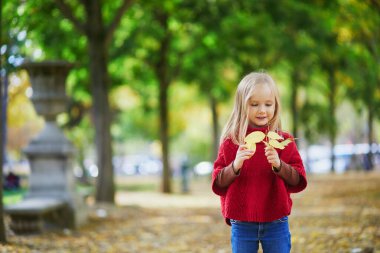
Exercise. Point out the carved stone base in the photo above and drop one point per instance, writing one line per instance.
(37, 215)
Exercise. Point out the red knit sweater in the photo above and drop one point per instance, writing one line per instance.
(257, 194)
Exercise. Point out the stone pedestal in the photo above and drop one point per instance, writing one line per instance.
(50, 154)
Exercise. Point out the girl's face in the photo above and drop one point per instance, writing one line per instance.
(261, 106)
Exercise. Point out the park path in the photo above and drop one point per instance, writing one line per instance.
(339, 213)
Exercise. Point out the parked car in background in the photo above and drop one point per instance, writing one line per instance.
(317, 158)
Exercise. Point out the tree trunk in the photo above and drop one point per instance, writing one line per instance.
(293, 102)
(2, 225)
(370, 136)
(215, 127)
(372, 47)
(164, 136)
(332, 108)
(101, 112)
(4, 117)
(98, 38)
(161, 69)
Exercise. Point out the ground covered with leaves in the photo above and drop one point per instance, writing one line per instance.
(336, 213)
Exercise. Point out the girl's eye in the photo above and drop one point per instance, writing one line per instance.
(254, 104)
(268, 105)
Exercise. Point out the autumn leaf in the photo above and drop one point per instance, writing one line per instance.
(279, 145)
(274, 140)
(253, 138)
(275, 144)
(336, 213)
(274, 136)
(251, 146)
(287, 141)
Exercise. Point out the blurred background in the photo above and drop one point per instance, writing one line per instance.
(152, 85)
(161, 77)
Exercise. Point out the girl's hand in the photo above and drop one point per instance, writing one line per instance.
(272, 156)
(242, 154)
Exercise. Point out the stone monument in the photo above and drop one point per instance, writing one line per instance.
(51, 199)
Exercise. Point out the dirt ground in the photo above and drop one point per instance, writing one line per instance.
(336, 213)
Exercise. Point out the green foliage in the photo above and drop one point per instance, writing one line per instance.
(360, 35)
(57, 36)
(14, 196)
(316, 120)
(12, 38)
(212, 44)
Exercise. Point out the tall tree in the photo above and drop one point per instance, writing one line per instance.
(10, 58)
(250, 33)
(160, 68)
(161, 48)
(295, 20)
(82, 31)
(360, 31)
(331, 69)
(3, 238)
(166, 64)
(99, 36)
(297, 47)
(209, 44)
(153, 45)
(330, 61)
(2, 225)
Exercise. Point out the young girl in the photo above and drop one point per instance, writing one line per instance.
(255, 185)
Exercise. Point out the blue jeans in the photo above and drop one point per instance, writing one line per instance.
(273, 236)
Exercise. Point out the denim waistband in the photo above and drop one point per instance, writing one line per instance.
(282, 219)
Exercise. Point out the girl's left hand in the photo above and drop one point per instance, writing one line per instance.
(272, 156)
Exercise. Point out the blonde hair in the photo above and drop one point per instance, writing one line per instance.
(237, 124)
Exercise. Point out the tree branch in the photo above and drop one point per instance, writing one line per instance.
(117, 18)
(68, 13)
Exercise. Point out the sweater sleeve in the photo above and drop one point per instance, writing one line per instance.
(292, 157)
(222, 175)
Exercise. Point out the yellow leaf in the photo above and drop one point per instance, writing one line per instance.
(252, 146)
(280, 145)
(276, 144)
(274, 136)
(286, 142)
(254, 137)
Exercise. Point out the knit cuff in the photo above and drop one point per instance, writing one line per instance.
(226, 176)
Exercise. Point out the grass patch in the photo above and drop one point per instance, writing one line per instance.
(131, 187)
(137, 187)
(14, 196)
(85, 189)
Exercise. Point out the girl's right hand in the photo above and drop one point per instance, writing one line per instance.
(242, 154)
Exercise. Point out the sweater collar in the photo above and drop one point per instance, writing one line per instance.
(251, 129)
